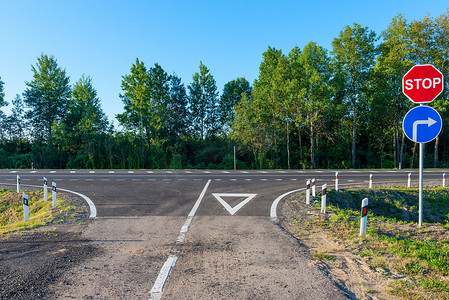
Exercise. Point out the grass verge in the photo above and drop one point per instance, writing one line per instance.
(41, 213)
(393, 242)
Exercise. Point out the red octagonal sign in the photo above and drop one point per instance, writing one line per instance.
(422, 83)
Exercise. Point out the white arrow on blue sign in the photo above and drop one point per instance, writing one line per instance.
(422, 124)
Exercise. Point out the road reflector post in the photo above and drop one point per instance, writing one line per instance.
(45, 190)
(444, 179)
(336, 181)
(364, 218)
(18, 184)
(323, 199)
(370, 181)
(313, 188)
(26, 212)
(409, 180)
(54, 193)
(308, 192)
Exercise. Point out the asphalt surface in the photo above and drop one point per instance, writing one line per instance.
(173, 193)
(229, 249)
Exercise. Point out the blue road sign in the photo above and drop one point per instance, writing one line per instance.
(422, 124)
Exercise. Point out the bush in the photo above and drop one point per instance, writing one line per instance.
(176, 162)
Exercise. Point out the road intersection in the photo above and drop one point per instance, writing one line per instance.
(228, 247)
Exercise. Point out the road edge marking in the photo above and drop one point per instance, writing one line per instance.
(273, 214)
(92, 208)
(156, 291)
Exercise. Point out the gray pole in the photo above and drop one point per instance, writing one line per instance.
(421, 167)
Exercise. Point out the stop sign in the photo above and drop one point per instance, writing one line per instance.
(422, 83)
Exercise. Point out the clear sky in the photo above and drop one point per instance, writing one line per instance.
(102, 39)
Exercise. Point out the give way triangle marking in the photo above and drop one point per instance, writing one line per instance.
(233, 210)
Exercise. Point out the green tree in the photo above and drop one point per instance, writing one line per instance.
(136, 97)
(388, 104)
(82, 131)
(354, 52)
(177, 114)
(47, 95)
(296, 85)
(270, 96)
(2, 103)
(2, 93)
(15, 123)
(203, 104)
(233, 92)
(316, 93)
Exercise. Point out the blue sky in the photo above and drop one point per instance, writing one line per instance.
(102, 39)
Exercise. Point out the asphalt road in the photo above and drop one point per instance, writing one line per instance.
(197, 234)
(173, 193)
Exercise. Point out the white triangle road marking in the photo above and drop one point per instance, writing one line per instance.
(233, 210)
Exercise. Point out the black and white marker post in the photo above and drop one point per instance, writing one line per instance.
(18, 184)
(308, 192)
(323, 199)
(313, 188)
(364, 218)
(26, 212)
(54, 193)
(45, 190)
(336, 181)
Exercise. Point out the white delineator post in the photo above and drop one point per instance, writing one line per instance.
(444, 179)
(26, 212)
(45, 190)
(308, 192)
(313, 188)
(364, 218)
(370, 181)
(323, 199)
(54, 193)
(336, 181)
(409, 181)
(18, 184)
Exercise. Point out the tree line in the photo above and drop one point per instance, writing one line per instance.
(308, 108)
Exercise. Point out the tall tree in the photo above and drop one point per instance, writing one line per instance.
(47, 95)
(270, 95)
(136, 97)
(233, 92)
(82, 129)
(316, 93)
(15, 122)
(388, 104)
(296, 87)
(203, 104)
(2, 93)
(354, 52)
(177, 114)
(2, 103)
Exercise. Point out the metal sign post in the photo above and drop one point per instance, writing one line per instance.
(422, 124)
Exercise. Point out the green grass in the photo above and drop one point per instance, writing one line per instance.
(393, 240)
(40, 213)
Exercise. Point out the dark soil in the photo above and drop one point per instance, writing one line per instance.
(32, 260)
